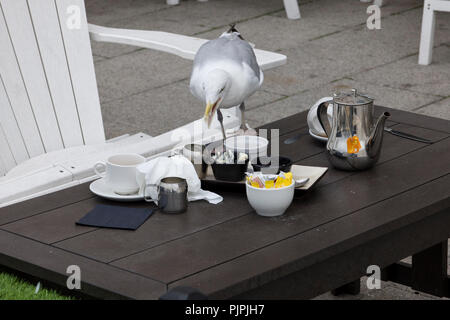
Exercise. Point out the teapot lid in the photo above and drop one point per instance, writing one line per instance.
(353, 98)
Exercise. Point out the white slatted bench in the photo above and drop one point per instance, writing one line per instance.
(51, 127)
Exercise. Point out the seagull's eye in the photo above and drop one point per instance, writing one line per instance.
(221, 90)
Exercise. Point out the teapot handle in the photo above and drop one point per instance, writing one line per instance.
(322, 115)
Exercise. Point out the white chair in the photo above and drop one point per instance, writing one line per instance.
(51, 127)
(428, 24)
(290, 6)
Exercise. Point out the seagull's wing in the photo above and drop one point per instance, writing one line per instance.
(228, 47)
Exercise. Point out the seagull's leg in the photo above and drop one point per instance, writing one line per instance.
(242, 108)
(244, 130)
(220, 118)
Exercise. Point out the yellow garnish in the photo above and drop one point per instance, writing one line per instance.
(270, 183)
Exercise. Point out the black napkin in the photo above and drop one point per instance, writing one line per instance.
(116, 217)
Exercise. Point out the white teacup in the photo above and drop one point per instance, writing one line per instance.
(313, 121)
(120, 172)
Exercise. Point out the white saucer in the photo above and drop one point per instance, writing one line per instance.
(101, 189)
(315, 136)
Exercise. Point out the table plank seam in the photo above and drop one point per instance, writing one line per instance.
(406, 116)
(392, 126)
(422, 127)
(304, 231)
(179, 238)
(377, 164)
(356, 172)
(305, 126)
(74, 236)
(45, 211)
(83, 256)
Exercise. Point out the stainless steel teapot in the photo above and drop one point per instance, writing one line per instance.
(354, 136)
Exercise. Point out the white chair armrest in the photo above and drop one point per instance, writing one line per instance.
(180, 45)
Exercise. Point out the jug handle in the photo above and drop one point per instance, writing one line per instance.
(322, 115)
(148, 198)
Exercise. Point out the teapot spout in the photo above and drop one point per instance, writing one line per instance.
(376, 137)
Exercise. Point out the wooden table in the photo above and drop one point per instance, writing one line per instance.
(326, 239)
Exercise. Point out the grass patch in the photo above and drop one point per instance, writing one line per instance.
(13, 288)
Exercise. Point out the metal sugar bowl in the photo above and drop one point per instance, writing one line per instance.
(354, 136)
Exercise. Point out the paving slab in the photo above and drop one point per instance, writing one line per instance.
(384, 96)
(345, 13)
(98, 58)
(118, 128)
(389, 97)
(304, 70)
(161, 109)
(190, 17)
(408, 74)
(359, 49)
(193, 16)
(137, 72)
(110, 50)
(281, 34)
(388, 291)
(440, 109)
(105, 11)
(276, 110)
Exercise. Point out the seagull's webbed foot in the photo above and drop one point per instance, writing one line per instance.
(246, 132)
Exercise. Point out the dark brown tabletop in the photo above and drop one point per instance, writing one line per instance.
(327, 237)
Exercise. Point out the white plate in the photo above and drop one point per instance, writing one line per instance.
(101, 189)
(302, 172)
(315, 136)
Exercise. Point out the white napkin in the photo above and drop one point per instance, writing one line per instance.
(154, 170)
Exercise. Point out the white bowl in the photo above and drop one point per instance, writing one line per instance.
(270, 202)
(254, 146)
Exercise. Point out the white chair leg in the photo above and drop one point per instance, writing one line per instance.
(427, 34)
(172, 2)
(292, 9)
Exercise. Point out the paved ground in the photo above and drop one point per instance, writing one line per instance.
(330, 47)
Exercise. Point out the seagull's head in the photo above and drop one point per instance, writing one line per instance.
(215, 88)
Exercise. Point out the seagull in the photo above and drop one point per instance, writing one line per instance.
(225, 73)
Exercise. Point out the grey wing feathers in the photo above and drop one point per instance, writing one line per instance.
(228, 47)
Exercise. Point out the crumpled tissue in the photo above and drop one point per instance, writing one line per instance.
(151, 173)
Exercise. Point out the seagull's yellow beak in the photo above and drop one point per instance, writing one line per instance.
(209, 112)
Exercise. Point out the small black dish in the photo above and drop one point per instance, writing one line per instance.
(230, 171)
(264, 164)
